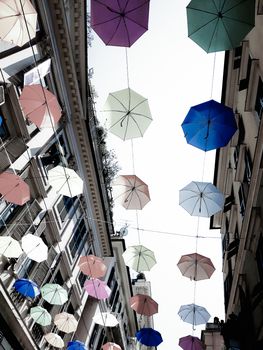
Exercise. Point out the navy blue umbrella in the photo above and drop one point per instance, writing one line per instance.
(209, 125)
(26, 287)
(149, 337)
(76, 345)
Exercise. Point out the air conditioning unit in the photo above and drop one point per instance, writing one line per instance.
(2, 95)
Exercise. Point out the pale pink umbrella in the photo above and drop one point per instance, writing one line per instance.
(13, 189)
(143, 304)
(97, 288)
(39, 105)
(196, 267)
(111, 346)
(92, 266)
(131, 192)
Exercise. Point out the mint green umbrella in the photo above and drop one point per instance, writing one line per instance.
(220, 25)
(40, 315)
(54, 294)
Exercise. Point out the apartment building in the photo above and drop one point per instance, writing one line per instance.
(56, 58)
(238, 174)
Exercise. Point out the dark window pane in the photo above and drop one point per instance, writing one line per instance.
(79, 238)
(259, 98)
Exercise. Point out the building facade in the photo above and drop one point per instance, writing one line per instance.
(69, 226)
(238, 174)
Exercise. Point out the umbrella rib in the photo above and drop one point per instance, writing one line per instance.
(127, 125)
(138, 126)
(138, 104)
(204, 25)
(117, 27)
(125, 108)
(132, 20)
(136, 8)
(142, 115)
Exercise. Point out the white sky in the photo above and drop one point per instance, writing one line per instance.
(173, 73)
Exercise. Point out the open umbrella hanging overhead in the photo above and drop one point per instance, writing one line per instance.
(139, 258)
(66, 322)
(219, 25)
(191, 343)
(34, 247)
(10, 247)
(54, 294)
(119, 23)
(143, 305)
(26, 287)
(196, 266)
(111, 346)
(128, 114)
(194, 314)
(106, 319)
(55, 340)
(18, 20)
(40, 315)
(40, 106)
(97, 289)
(76, 345)
(201, 199)
(131, 192)
(65, 181)
(209, 125)
(149, 337)
(13, 189)
(92, 266)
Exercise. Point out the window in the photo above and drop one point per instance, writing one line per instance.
(229, 201)
(248, 167)
(82, 278)
(241, 130)
(7, 212)
(242, 199)
(93, 336)
(79, 239)
(225, 242)
(65, 206)
(237, 58)
(259, 256)
(260, 7)
(244, 82)
(236, 155)
(58, 279)
(259, 98)
(4, 134)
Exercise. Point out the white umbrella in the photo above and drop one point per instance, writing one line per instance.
(66, 322)
(201, 199)
(106, 319)
(17, 21)
(34, 247)
(54, 340)
(65, 181)
(128, 114)
(9, 247)
(139, 258)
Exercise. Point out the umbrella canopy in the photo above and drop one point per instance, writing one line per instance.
(39, 105)
(40, 315)
(92, 266)
(97, 288)
(10, 247)
(139, 258)
(128, 114)
(191, 343)
(54, 340)
(17, 22)
(34, 247)
(209, 125)
(76, 345)
(149, 337)
(131, 192)
(106, 319)
(220, 25)
(26, 287)
(111, 346)
(196, 267)
(66, 322)
(119, 23)
(143, 304)
(201, 199)
(13, 189)
(54, 294)
(194, 314)
(65, 181)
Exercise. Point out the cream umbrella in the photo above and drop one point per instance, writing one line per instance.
(34, 247)
(66, 322)
(9, 247)
(65, 181)
(18, 20)
(139, 258)
(54, 340)
(128, 114)
(106, 319)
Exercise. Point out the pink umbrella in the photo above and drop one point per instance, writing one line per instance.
(196, 267)
(143, 304)
(39, 105)
(191, 343)
(92, 266)
(97, 288)
(111, 346)
(131, 192)
(13, 189)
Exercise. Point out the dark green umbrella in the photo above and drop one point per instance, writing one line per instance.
(218, 25)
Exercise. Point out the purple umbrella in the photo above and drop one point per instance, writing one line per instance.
(191, 343)
(119, 22)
